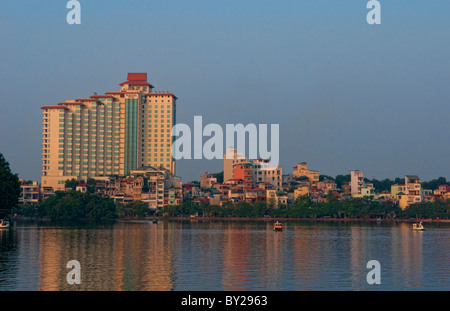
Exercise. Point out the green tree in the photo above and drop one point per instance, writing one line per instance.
(340, 179)
(219, 177)
(71, 183)
(139, 208)
(435, 183)
(9, 186)
(91, 183)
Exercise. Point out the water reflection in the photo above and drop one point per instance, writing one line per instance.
(222, 255)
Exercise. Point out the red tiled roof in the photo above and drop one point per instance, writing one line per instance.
(123, 93)
(102, 96)
(53, 107)
(88, 100)
(137, 76)
(136, 82)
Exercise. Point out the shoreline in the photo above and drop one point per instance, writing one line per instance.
(272, 219)
(261, 219)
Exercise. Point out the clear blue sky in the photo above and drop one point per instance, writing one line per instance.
(347, 95)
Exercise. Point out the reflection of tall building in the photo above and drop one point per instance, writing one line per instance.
(135, 257)
(236, 264)
(50, 262)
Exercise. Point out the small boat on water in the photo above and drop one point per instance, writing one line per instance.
(278, 226)
(418, 227)
(4, 224)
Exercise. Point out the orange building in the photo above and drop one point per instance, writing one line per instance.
(302, 170)
(243, 171)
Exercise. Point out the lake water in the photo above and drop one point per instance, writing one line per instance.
(224, 255)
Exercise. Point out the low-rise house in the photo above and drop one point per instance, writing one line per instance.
(30, 192)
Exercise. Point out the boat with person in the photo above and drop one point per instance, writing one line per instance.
(4, 223)
(418, 227)
(278, 226)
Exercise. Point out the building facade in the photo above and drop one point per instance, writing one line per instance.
(244, 171)
(207, 180)
(301, 170)
(110, 134)
(263, 172)
(30, 192)
(231, 158)
(356, 183)
(413, 189)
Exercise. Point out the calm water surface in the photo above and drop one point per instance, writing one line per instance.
(221, 255)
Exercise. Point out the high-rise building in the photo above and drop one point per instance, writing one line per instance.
(110, 134)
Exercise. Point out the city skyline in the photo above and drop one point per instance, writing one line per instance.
(347, 95)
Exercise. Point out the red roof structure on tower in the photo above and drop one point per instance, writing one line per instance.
(136, 79)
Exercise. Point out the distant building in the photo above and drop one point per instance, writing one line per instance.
(345, 187)
(301, 170)
(263, 172)
(397, 188)
(413, 189)
(207, 180)
(356, 183)
(326, 185)
(81, 188)
(301, 191)
(402, 200)
(231, 158)
(30, 192)
(163, 188)
(244, 171)
(367, 192)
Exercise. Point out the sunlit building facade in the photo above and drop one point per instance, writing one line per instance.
(110, 134)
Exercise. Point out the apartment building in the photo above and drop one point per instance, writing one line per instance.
(244, 171)
(301, 170)
(30, 192)
(413, 189)
(356, 183)
(231, 158)
(110, 134)
(263, 172)
(207, 180)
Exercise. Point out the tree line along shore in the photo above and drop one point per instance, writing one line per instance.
(74, 205)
